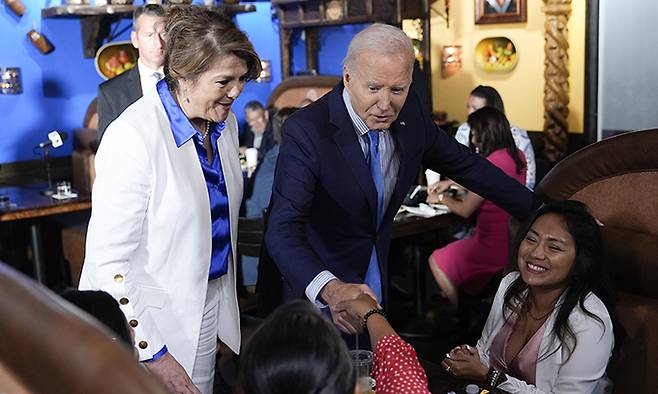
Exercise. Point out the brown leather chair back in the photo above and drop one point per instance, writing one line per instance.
(53, 347)
(292, 91)
(618, 179)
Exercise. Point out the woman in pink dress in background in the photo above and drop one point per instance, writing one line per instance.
(469, 264)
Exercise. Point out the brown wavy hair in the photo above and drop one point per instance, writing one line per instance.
(195, 37)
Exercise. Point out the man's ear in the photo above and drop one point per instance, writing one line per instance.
(133, 39)
(346, 75)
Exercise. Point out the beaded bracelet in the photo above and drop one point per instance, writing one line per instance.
(371, 312)
(493, 376)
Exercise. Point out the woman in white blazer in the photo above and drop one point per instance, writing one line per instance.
(162, 235)
(550, 328)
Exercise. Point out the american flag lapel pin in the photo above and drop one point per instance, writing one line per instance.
(402, 123)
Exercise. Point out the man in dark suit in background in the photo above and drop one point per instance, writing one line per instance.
(345, 165)
(259, 133)
(118, 93)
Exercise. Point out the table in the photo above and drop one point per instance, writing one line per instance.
(26, 202)
(406, 225)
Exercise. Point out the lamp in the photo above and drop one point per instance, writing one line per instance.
(266, 73)
(451, 60)
(10, 80)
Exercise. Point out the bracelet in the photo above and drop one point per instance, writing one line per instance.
(371, 312)
(493, 377)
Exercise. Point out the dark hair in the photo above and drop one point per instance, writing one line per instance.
(195, 37)
(147, 9)
(277, 122)
(296, 350)
(104, 308)
(589, 275)
(490, 96)
(254, 105)
(492, 131)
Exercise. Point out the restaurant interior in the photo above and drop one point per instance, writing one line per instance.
(579, 75)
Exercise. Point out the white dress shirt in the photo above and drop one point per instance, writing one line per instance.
(148, 77)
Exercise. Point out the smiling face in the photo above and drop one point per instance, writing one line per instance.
(212, 94)
(148, 39)
(547, 254)
(378, 85)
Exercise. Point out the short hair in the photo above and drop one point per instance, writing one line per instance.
(195, 37)
(277, 122)
(490, 95)
(254, 105)
(296, 351)
(492, 130)
(102, 306)
(381, 39)
(147, 9)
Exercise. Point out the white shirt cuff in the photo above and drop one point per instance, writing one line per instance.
(313, 289)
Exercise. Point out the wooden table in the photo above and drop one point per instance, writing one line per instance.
(27, 202)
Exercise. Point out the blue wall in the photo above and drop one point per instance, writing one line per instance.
(58, 87)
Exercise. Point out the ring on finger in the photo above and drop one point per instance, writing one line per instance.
(448, 368)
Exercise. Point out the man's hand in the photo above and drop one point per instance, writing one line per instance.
(172, 374)
(335, 292)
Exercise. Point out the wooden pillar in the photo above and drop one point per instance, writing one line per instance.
(311, 35)
(556, 78)
(284, 43)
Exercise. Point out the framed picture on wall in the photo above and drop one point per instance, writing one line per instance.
(499, 11)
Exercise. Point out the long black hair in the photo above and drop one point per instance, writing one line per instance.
(492, 131)
(296, 350)
(589, 274)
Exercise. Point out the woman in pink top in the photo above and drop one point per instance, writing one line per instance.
(550, 327)
(470, 263)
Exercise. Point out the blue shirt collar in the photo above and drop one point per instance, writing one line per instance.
(181, 127)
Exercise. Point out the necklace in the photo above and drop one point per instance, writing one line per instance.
(542, 317)
(205, 134)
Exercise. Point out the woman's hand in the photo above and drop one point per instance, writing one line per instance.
(464, 361)
(439, 187)
(359, 306)
(172, 374)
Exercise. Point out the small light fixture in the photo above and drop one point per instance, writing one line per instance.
(10, 80)
(266, 73)
(451, 60)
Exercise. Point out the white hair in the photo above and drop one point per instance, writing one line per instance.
(380, 39)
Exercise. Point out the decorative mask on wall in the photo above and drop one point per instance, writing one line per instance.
(451, 60)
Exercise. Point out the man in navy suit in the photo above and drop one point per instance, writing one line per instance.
(331, 212)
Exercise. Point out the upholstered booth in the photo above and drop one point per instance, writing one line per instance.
(618, 179)
(51, 347)
(293, 91)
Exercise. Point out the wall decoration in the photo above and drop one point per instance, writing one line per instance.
(451, 60)
(10, 80)
(115, 58)
(500, 11)
(496, 54)
(40, 41)
(16, 6)
(334, 10)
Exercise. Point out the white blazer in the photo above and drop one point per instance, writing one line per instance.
(149, 238)
(583, 373)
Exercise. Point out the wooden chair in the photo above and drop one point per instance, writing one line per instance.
(291, 92)
(51, 347)
(618, 179)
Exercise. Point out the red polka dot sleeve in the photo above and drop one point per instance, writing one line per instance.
(396, 368)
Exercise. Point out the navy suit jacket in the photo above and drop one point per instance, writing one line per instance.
(323, 208)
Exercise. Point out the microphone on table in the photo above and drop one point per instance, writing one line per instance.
(55, 139)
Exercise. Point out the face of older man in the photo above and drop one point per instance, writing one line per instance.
(257, 119)
(378, 85)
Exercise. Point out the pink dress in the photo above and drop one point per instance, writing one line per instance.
(471, 262)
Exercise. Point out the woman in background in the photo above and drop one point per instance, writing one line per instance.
(550, 327)
(486, 96)
(470, 263)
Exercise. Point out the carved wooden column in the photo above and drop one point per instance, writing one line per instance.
(285, 36)
(556, 78)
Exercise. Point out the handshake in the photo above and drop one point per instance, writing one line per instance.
(348, 303)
